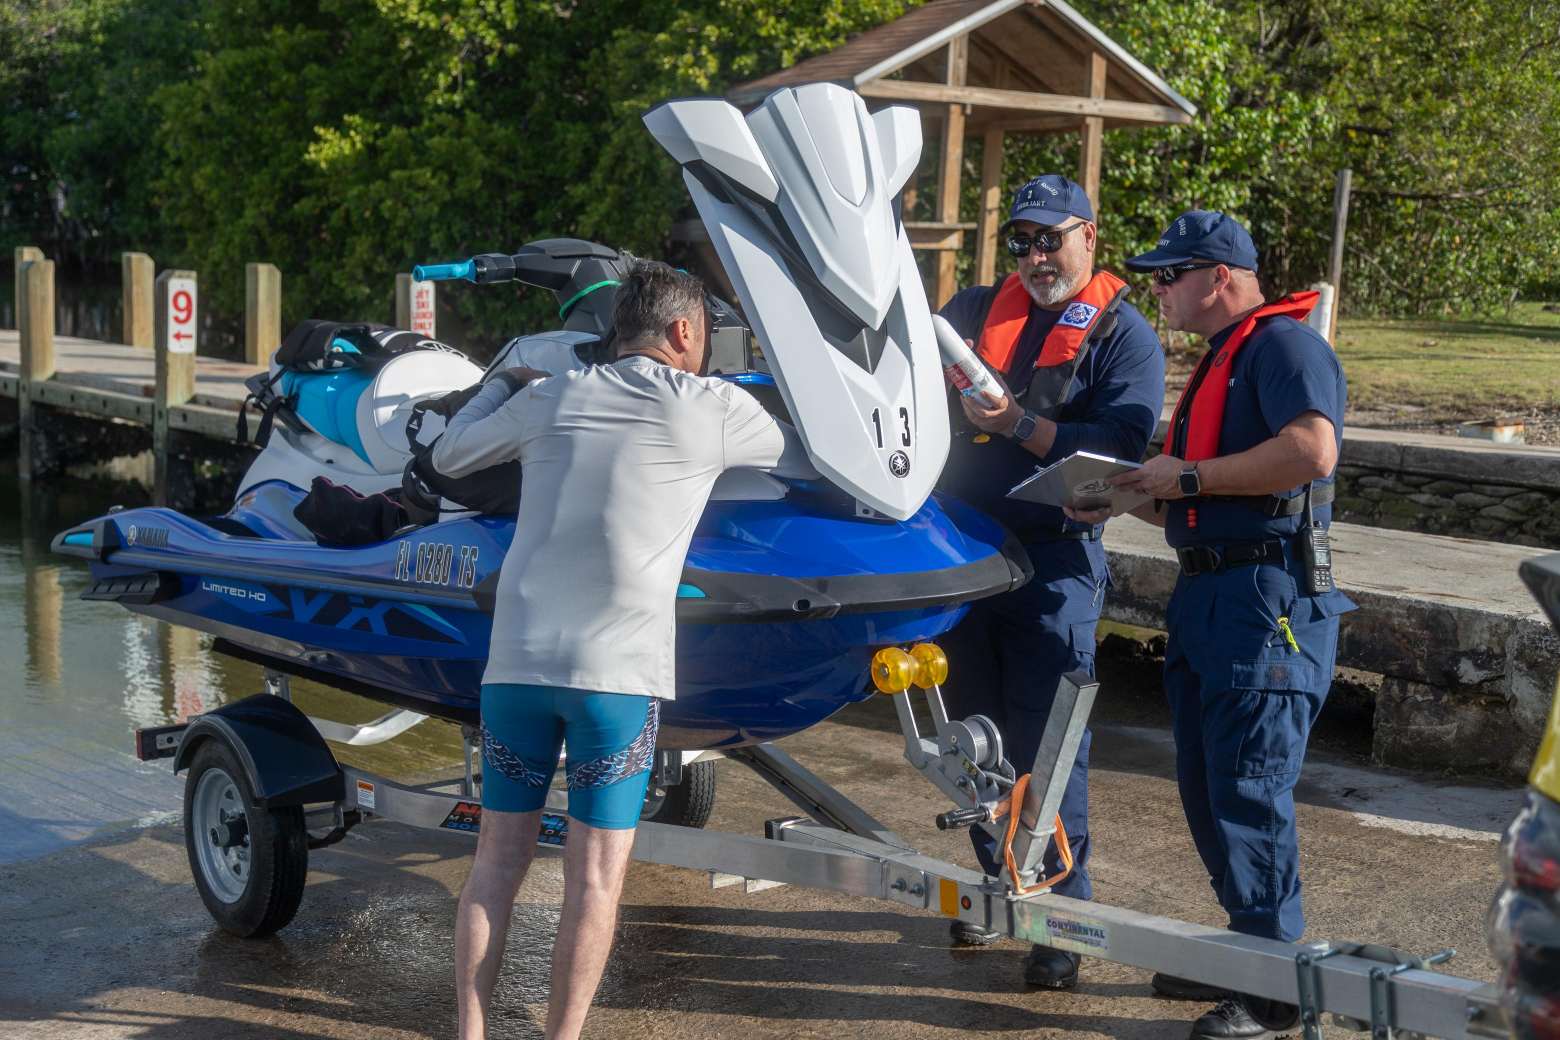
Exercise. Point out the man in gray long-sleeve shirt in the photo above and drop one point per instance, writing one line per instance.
(619, 461)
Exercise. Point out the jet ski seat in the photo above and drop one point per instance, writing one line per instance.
(366, 409)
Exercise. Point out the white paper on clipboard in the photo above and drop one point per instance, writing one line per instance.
(1080, 481)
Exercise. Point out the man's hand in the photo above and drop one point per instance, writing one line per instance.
(991, 416)
(1159, 477)
(517, 377)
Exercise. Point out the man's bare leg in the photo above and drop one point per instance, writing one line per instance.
(594, 863)
(505, 847)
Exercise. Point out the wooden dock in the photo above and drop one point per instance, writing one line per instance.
(80, 400)
(117, 381)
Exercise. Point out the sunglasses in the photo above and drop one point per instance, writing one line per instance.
(1168, 275)
(1019, 244)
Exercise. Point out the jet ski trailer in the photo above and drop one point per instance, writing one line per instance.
(263, 789)
(798, 199)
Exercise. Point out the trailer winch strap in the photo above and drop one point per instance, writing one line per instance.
(1063, 848)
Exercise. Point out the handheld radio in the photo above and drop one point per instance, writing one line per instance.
(1315, 552)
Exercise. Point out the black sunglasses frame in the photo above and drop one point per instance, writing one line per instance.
(1168, 276)
(1048, 241)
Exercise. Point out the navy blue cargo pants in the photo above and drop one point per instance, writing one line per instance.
(1243, 697)
(1004, 660)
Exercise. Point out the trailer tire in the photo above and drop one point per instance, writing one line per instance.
(250, 863)
(687, 804)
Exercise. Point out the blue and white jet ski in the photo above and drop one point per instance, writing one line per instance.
(789, 587)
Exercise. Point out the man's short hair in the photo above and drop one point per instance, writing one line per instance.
(651, 297)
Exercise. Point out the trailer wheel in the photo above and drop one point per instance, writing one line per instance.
(687, 804)
(250, 864)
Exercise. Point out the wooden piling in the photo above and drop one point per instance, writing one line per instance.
(174, 352)
(22, 255)
(403, 300)
(35, 322)
(136, 274)
(262, 312)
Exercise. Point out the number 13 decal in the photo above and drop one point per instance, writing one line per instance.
(904, 422)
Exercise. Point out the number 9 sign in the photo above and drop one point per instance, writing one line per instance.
(181, 311)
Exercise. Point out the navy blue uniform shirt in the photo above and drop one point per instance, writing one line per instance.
(1283, 371)
(1111, 409)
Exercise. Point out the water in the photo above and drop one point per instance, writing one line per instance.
(77, 678)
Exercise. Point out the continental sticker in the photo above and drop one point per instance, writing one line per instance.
(1060, 930)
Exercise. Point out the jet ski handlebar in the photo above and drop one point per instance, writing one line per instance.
(481, 269)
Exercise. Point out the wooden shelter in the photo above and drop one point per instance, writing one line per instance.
(991, 67)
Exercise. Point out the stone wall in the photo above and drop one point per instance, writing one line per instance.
(1425, 484)
(1437, 505)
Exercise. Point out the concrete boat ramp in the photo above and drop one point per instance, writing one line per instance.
(108, 940)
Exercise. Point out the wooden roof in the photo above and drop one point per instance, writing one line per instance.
(1028, 67)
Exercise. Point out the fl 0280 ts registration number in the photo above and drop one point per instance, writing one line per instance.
(436, 563)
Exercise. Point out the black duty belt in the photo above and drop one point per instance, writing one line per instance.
(1080, 534)
(1210, 559)
(1274, 505)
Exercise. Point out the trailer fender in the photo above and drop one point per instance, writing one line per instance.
(286, 759)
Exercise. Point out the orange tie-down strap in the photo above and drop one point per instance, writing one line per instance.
(1016, 798)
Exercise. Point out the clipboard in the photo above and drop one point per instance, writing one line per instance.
(1080, 481)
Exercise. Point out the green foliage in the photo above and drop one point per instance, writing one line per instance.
(345, 140)
(77, 123)
(1446, 116)
(1250, 150)
(349, 141)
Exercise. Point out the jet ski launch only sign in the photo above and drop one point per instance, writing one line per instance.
(181, 310)
(423, 319)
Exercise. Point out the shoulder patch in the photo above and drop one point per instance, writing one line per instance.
(1078, 315)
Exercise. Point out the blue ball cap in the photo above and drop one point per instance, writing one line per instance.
(1050, 199)
(1200, 234)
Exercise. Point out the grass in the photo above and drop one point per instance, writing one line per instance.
(1454, 369)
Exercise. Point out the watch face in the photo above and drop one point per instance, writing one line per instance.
(1190, 485)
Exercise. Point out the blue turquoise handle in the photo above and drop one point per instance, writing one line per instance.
(445, 272)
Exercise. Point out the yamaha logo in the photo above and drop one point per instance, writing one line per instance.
(899, 464)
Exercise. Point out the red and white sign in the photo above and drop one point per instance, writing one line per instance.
(182, 302)
(422, 309)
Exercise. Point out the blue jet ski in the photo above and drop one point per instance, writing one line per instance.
(790, 586)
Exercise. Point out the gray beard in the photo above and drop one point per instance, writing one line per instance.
(1050, 295)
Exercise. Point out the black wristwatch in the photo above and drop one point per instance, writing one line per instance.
(1191, 483)
(1024, 428)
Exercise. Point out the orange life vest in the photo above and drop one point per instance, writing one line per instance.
(1203, 399)
(1009, 313)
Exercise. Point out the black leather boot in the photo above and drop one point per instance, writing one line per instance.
(1229, 1021)
(965, 933)
(1051, 969)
